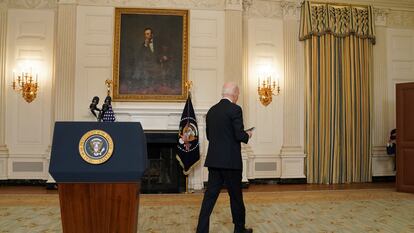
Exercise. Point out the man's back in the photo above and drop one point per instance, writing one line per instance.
(225, 131)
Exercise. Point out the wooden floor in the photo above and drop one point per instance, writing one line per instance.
(251, 188)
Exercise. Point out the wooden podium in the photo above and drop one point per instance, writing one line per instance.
(99, 207)
(98, 194)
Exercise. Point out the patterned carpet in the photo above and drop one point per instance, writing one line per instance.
(353, 211)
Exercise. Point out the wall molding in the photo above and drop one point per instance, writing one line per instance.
(255, 8)
(382, 163)
(236, 5)
(3, 84)
(186, 4)
(233, 45)
(400, 19)
(247, 4)
(291, 10)
(263, 9)
(292, 151)
(380, 15)
(64, 77)
(29, 142)
(32, 4)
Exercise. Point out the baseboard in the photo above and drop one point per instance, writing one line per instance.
(22, 182)
(265, 181)
(293, 181)
(383, 179)
(245, 185)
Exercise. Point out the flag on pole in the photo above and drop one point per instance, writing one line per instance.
(188, 154)
(109, 115)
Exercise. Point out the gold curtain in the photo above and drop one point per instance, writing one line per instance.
(338, 50)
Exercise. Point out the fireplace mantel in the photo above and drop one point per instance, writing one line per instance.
(165, 117)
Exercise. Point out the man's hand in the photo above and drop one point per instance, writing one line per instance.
(250, 133)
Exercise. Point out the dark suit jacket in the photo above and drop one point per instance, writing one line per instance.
(225, 131)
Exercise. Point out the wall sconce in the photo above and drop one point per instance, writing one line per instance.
(266, 89)
(26, 85)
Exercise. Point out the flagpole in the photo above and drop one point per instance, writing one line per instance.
(188, 85)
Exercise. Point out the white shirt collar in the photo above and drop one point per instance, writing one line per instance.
(227, 98)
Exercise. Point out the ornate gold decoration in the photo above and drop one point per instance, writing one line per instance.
(188, 84)
(266, 90)
(96, 147)
(26, 85)
(108, 84)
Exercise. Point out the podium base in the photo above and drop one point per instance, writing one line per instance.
(99, 207)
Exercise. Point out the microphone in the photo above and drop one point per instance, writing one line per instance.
(92, 106)
(95, 101)
(105, 107)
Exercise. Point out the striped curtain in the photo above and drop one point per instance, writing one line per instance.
(338, 49)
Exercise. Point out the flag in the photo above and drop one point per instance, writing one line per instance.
(188, 153)
(109, 115)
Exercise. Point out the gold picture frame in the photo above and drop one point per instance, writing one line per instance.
(150, 55)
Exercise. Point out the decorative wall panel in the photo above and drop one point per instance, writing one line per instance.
(30, 45)
(265, 48)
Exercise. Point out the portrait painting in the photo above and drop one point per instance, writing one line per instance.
(150, 55)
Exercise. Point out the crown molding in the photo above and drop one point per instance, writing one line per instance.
(61, 2)
(291, 10)
(264, 9)
(246, 5)
(30, 4)
(380, 15)
(183, 4)
(236, 5)
(400, 19)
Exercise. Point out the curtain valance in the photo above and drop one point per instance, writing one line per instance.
(339, 20)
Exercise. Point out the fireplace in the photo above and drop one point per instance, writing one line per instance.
(164, 173)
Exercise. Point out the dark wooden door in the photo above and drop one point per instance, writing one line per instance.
(405, 137)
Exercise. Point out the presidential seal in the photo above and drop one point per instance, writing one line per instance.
(96, 147)
(188, 136)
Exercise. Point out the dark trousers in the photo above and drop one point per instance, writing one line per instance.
(216, 178)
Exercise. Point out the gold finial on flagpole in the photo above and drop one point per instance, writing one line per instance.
(188, 84)
(108, 84)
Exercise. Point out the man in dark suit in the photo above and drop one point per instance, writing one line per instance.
(225, 132)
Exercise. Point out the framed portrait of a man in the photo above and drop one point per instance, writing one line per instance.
(150, 55)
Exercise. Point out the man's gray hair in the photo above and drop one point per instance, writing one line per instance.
(229, 89)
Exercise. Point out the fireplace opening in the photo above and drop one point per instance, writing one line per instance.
(164, 173)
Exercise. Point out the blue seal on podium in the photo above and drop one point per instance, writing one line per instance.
(96, 147)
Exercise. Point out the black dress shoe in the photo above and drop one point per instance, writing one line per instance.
(245, 230)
